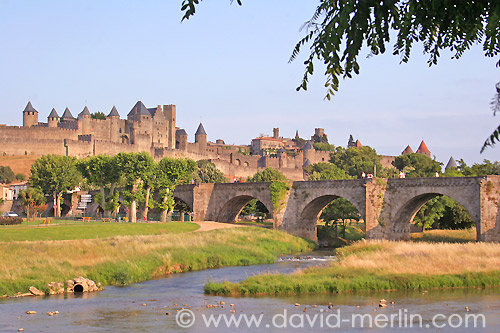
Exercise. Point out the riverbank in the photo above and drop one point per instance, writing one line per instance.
(123, 260)
(382, 265)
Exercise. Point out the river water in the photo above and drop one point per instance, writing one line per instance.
(153, 306)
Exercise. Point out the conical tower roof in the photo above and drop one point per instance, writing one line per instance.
(200, 130)
(181, 131)
(281, 150)
(358, 144)
(307, 163)
(114, 112)
(407, 150)
(67, 115)
(308, 145)
(53, 114)
(29, 108)
(451, 164)
(422, 149)
(85, 112)
(139, 109)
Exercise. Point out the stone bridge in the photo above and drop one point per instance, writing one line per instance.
(387, 205)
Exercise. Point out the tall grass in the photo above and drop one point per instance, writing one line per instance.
(128, 259)
(383, 265)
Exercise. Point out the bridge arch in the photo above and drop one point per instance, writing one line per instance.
(232, 208)
(313, 196)
(409, 207)
(311, 212)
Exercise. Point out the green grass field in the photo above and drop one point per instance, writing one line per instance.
(120, 260)
(79, 230)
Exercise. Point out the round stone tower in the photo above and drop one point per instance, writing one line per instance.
(30, 116)
(53, 119)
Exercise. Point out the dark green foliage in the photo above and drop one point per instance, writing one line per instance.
(479, 169)
(338, 214)
(208, 173)
(10, 220)
(356, 160)
(6, 175)
(20, 176)
(279, 190)
(98, 115)
(455, 217)
(254, 207)
(432, 211)
(299, 142)
(417, 165)
(323, 146)
(443, 212)
(325, 171)
(319, 139)
(267, 175)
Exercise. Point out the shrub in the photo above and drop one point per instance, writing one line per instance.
(10, 220)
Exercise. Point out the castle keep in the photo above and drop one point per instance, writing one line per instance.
(154, 130)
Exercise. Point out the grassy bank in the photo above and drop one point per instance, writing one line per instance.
(90, 230)
(128, 259)
(383, 265)
(447, 236)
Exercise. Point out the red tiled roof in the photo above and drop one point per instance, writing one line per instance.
(407, 150)
(358, 144)
(423, 148)
(267, 138)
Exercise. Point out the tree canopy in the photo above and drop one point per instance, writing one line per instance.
(325, 171)
(207, 172)
(54, 175)
(338, 30)
(417, 165)
(267, 175)
(6, 175)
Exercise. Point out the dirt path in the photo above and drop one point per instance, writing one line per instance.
(207, 225)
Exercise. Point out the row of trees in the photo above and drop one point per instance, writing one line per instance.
(136, 174)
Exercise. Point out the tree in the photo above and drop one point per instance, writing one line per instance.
(30, 199)
(323, 146)
(338, 29)
(479, 169)
(136, 169)
(455, 216)
(325, 171)
(431, 212)
(169, 173)
(102, 172)
(339, 212)
(20, 176)
(267, 175)
(417, 165)
(6, 175)
(54, 175)
(319, 139)
(207, 172)
(356, 160)
(98, 115)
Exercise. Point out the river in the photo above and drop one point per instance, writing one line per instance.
(153, 306)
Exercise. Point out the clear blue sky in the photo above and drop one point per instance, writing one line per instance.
(228, 67)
